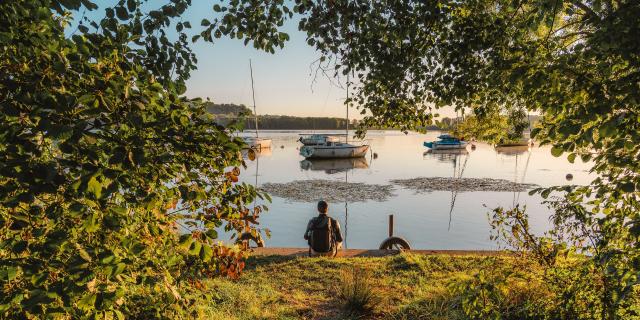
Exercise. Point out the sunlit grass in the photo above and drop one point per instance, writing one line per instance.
(405, 286)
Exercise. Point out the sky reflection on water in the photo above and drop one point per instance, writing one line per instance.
(426, 220)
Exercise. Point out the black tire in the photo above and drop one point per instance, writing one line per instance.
(395, 243)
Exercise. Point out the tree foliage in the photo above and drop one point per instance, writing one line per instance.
(100, 154)
(575, 62)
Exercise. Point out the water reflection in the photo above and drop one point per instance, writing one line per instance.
(445, 156)
(456, 157)
(332, 166)
(258, 152)
(513, 150)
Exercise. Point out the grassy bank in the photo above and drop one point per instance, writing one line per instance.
(404, 286)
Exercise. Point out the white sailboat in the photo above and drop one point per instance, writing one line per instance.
(334, 149)
(256, 142)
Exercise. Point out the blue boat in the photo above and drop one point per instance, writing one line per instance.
(446, 141)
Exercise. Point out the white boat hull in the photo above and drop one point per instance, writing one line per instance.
(327, 152)
(521, 143)
(258, 143)
(461, 145)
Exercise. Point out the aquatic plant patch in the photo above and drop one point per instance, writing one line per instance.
(328, 190)
(427, 184)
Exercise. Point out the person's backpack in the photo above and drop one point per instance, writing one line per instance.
(321, 238)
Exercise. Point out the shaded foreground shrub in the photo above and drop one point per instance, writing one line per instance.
(101, 154)
(570, 290)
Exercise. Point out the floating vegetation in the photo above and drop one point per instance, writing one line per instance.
(425, 184)
(328, 190)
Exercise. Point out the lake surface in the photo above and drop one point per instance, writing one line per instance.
(427, 220)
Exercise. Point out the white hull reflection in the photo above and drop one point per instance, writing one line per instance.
(334, 165)
(513, 150)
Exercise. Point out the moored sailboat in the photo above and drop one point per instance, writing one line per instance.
(445, 142)
(335, 149)
(255, 142)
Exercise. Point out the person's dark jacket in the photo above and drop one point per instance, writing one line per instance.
(320, 221)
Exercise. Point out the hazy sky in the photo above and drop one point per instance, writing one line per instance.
(283, 81)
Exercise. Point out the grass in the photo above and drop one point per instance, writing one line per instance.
(356, 289)
(405, 286)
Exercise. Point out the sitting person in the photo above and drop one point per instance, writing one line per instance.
(323, 233)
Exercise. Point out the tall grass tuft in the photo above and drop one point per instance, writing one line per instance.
(357, 292)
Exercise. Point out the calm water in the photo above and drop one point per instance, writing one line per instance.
(426, 220)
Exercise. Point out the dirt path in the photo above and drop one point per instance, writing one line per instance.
(370, 253)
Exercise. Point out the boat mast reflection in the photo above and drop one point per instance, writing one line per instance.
(454, 156)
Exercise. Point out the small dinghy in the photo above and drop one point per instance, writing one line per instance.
(446, 142)
(334, 150)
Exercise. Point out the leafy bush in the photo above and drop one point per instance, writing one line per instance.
(502, 294)
(100, 157)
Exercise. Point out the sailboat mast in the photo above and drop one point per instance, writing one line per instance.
(253, 94)
(346, 138)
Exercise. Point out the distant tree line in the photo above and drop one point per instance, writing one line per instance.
(227, 108)
(227, 112)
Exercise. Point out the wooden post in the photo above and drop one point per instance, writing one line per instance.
(390, 225)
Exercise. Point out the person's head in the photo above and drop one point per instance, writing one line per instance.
(322, 206)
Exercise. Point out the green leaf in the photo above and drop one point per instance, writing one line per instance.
(571, 157)
(122, 13)
(91, 224)
(118, 269)
(628, 187)
(185, 241)
(195, 248)
(212, 233)
(556, 151)
(87, 302)
(131, 5)
(206, 253)
(83, 253)
(94, 187)
(119, 315)
(10, 273)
